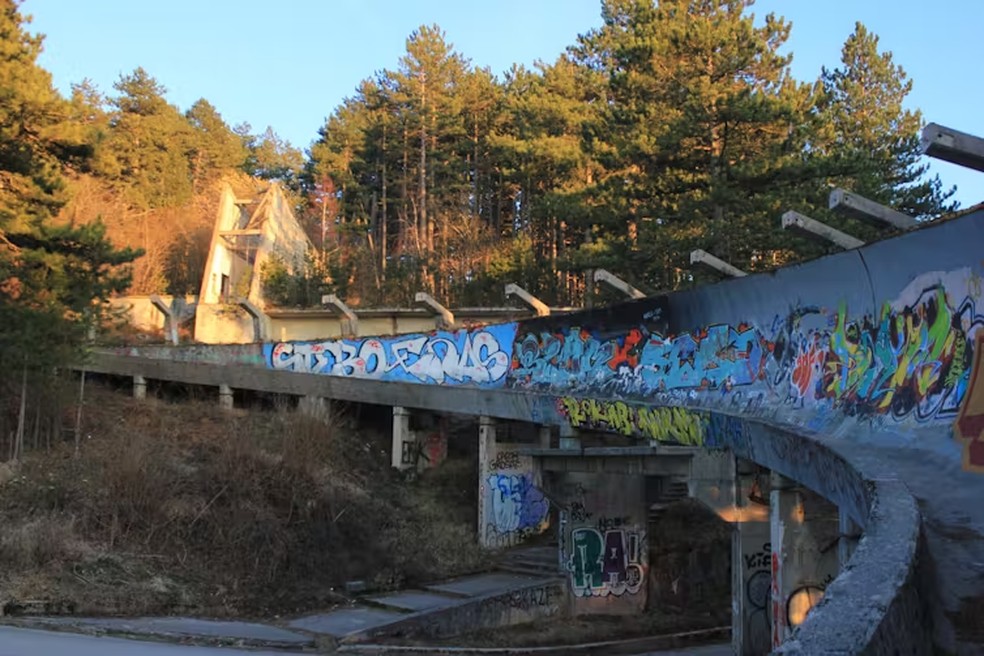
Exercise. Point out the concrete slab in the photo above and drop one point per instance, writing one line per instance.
(185, 626)
(414, 600)
(340, 623)
(483, 584)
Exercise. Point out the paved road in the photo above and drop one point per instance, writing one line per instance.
(29, 642)
(706, 650)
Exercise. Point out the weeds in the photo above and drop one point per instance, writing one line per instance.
(183, 508)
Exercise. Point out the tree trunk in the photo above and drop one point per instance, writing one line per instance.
(78, 415)
(19, 436)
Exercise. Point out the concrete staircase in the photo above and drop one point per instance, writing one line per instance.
(538, 561)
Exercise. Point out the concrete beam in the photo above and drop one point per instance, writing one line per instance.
(445, 317)
(539, 307)
(953, 146)
(704, 258)
(170, 321)
(813, 229)
(350, 319)
(256, 314)
(609, 279)
(857, 207)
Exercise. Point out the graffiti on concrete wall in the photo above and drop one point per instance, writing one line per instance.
(606, 562)
(969, 427)
(656, 423)
(912, 360)
(476, 357)
(518, 507)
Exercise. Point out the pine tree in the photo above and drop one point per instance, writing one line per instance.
(50, 275)
(704, 137)
(876, 139)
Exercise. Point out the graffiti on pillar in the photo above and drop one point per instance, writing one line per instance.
(603, 563)
(518, 507)
(505, 460)
(778, 610)
(969, 427)
(477, 357)
(758, 587)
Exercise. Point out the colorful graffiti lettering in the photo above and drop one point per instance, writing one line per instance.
(479, 357)
(608, 563)
(517, 504)
(656, 423)
(969, 427)
(912, 360)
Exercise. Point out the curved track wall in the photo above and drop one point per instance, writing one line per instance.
(846, 374)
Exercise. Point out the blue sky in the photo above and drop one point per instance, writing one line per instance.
(289, 64)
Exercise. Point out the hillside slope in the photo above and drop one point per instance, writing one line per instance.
(183, 508)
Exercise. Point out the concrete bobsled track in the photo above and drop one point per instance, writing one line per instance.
(853, 375)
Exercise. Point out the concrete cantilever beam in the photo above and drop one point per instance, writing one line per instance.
(611, 280)
(700, 256)
(953, 146)
(256, 314)
(349, 317)
(539, 307)
(813, 229)
(170, 321)
(857, 207)
(445, 317)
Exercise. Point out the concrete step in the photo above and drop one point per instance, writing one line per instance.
(531, 571)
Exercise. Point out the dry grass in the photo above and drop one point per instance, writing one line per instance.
(182, 508)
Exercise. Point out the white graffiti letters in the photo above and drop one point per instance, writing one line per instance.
(441, 358)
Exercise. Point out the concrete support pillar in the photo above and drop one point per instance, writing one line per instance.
(786, 513)
(404, 440)
(486, 453)
(850, 533)
(139, 387)
(569, 439)
(804, 537)
(543, 437)
(750, 563)
(225, 397)
(315, 407)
